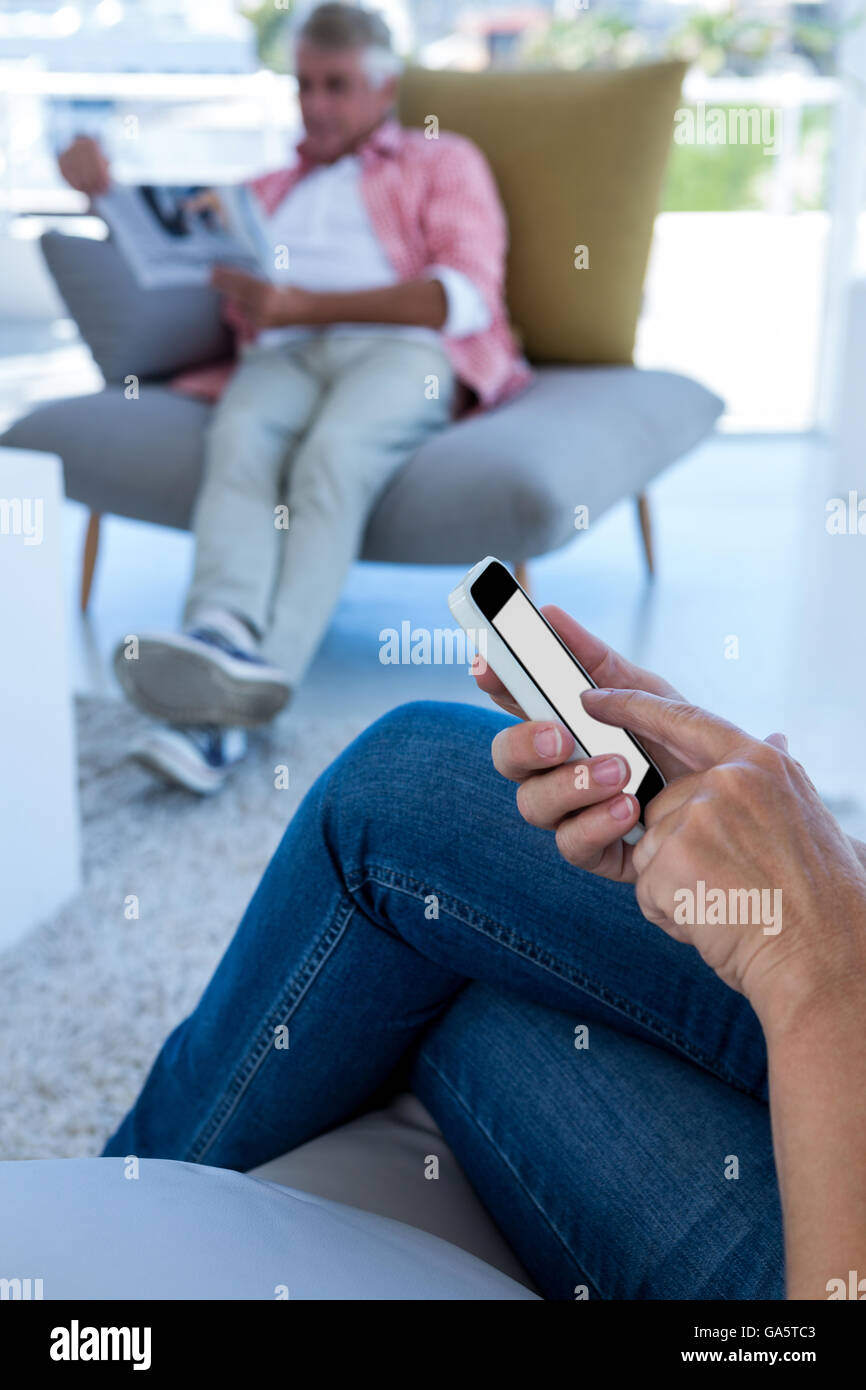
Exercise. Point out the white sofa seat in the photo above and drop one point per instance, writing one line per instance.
(379, 1162)
(146, 1229)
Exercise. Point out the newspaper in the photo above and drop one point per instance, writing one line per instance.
(166, 244)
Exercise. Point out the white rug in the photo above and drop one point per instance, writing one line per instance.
(88, 997)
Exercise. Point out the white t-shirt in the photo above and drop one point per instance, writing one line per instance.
(332, 245)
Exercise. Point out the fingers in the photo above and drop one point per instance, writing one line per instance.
(94, 168)
(545, 800)
(222, 277)
(487, 680)
(84, 167)
(593, 835)
(523, 749)
(778, 741)
(96, 181)
(591, 651)
(657, 819)
(672, 796)
(697, 738)
(583, 802)
(248, 295)
(606, 666)
(234, 282)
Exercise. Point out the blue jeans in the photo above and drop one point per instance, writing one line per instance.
(412, 929)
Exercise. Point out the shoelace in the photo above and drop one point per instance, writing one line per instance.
(212, 638)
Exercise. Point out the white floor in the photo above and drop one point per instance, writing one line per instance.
(742, 552)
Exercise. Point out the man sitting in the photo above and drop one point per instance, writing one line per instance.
(392, 322)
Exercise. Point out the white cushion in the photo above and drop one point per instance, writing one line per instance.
(186, 1231)
(380, 1163)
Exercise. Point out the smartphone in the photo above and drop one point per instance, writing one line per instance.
(544, 677)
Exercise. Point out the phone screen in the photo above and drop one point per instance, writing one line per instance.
(549, 663)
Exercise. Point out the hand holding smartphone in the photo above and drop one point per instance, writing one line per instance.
(542, 675)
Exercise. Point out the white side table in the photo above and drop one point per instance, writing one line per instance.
(39, 824)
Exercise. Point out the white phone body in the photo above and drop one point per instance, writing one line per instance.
(529, 696)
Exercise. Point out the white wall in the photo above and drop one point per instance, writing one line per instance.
(39, 828)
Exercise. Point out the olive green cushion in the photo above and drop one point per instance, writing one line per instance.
(579, 158)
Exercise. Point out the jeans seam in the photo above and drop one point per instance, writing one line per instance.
(263, 1034)
(469, 916)
(423, 1058)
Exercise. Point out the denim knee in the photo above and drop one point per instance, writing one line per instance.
(412, 775)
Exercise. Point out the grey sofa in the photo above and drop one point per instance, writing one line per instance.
(505, 482)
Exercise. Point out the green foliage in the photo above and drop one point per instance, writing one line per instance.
(709, 178)
(722, 41)
(725, 40)
(272, 33)
(591, 40)
(727, 178)
(716, 178)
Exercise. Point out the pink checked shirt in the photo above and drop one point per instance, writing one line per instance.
(431, 202)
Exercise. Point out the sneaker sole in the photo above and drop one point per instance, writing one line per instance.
(173, 680)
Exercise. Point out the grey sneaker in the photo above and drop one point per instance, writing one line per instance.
(201, 678)
(199, 760)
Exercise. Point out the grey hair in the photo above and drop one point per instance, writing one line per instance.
(338, 27)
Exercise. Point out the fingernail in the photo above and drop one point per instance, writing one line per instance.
(621, 807)
(548, 742)
(477, 664)
(609, 771)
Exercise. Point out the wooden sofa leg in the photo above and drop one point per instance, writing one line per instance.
(91, 550)
(646, 529)
(521, 574)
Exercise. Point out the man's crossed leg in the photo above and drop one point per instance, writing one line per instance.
(299, 447)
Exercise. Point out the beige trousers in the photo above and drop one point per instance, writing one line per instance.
(298, 449)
